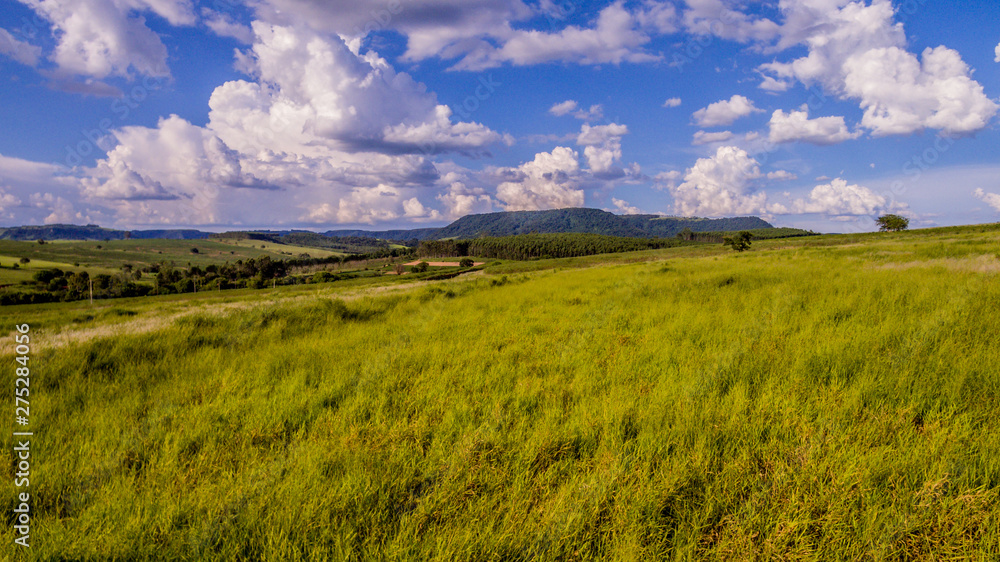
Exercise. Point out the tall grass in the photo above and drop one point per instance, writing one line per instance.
(812, 403)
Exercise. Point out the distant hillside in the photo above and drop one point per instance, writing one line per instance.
(186, 234)
(60, 232)
(346, 244)
(656, 226)
(394, 235)
(94, 232)
(557, 221)
(590, 221)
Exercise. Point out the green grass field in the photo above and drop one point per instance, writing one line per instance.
(141, 253)
(25, 271)
(822, 398)
(283, 250)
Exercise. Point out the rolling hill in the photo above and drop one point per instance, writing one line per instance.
(94, 232)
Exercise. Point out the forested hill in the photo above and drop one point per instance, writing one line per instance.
(559, 221)
(399, 235)
(655, 226)
(590, 221)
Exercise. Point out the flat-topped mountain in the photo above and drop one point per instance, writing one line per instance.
(591, 221)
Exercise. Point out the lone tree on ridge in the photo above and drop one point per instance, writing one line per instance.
(892, 223)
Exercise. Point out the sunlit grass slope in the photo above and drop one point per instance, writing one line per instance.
(807, 403)
(139, 253)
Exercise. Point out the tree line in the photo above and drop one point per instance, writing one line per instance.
(530, 246)
(54, 285)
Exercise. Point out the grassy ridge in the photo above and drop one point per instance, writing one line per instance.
(139, 253)
(813, 402)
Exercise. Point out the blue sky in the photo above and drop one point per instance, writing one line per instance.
(818, 114)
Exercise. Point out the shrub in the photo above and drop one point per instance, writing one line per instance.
(740, 242)
(466, 262)
(46, 275)
(322, 277)
(184, 286)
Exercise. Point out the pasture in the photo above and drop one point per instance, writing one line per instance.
(139, 253)
(823, 398)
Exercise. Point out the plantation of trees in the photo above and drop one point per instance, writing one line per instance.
(347, 244)
(529, 246)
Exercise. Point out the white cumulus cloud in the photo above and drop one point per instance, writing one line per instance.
(857, 51)
(224, 25)
(571, 107)
(901, 95)
(21, 51)
(840, 199)
(796, 126)
(625, 208)
(550, 181)
(36, 192)
(563, 108)
(618, 35)
(725, 112)
(720, 185)
(184, 168)
(702, 137)
(481, 34)
(715, 17)
(322, 133)
(672, 102)
(602, 147)
(314, 90)
(782, 175)
(667, 180)
(370, 205)
(460, 200)
(100, 38)
(991, 199)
